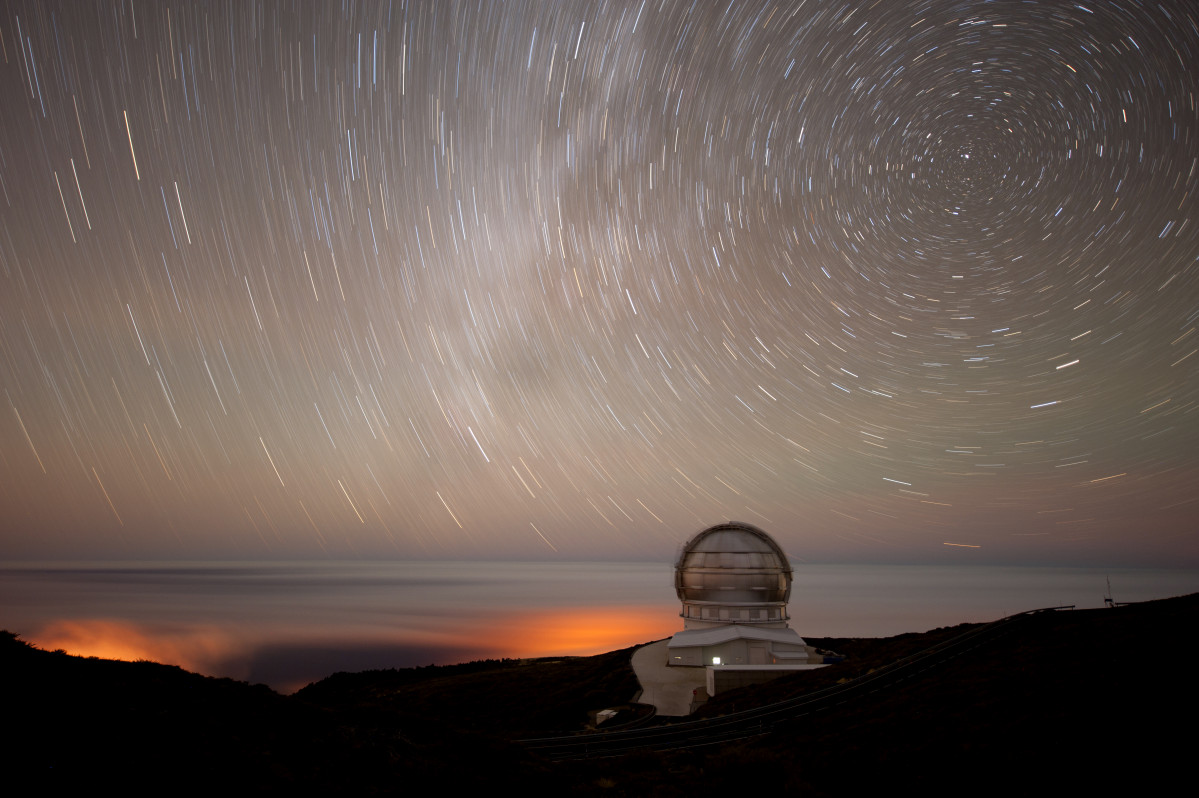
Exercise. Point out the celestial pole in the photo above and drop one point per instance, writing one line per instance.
(893, 281)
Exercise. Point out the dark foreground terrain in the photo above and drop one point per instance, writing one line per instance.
(1062, 702)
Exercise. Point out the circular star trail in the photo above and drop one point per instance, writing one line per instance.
(895, 281)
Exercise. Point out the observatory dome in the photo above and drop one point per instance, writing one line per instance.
(733, 573)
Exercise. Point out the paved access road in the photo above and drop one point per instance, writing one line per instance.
(752, 722)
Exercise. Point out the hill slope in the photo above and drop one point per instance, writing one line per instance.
(1067, 702)
(1077, 700)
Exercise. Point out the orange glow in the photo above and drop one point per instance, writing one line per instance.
(563, 631)
(196, 648)
(579, 631)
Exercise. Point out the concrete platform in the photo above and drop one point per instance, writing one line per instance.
(668, 689)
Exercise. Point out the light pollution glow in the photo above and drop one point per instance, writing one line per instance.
(573, 631)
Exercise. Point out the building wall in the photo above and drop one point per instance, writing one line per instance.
(720, 679)
(689, 657)
(739, 652)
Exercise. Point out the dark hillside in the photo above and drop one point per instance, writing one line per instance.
(1069, 702)
(1072, 701)
(79, 722)
(508, 698)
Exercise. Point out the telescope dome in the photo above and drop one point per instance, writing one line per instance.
(733, 573)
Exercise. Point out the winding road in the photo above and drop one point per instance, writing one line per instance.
(753, 722)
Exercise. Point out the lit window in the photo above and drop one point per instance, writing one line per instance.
(715, 660)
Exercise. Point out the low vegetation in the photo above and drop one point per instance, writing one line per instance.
(1069, 701)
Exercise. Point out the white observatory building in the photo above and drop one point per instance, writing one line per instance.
(734, 582)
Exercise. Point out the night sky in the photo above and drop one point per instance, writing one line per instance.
(901, 281)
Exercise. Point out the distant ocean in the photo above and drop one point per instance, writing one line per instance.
(288, 623)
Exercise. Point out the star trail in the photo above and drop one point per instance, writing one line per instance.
(894, 281)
